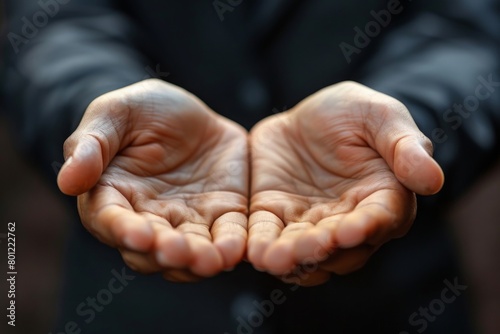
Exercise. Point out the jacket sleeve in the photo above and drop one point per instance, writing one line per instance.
(59, 56)
(443, 63)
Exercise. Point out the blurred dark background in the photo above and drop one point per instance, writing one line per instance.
(41, 225)
(27, 199)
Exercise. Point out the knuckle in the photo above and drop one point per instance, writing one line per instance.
(427, 144)
(349, 85)
(387, 106)
(68, 146)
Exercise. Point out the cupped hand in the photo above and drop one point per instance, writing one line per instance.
(162, 178)
(332, 180)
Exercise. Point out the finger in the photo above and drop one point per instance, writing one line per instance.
(144, 263)
(82, 169)
(414, 167)
(229, 233)
(109, 217)
(316, 244)
(172, 248)
(91, 147)
(345, 261)
(279, 257)
(263, 228)
(384, 215)
(206, 259)
(393, 133)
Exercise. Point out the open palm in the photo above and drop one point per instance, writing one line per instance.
(162, 178)
(165, 180)
(329, 182)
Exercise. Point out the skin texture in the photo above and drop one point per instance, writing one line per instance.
(332, 180)
(162, 178)
(165, 180)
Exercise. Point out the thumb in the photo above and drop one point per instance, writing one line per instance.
(405, 148)
(91, 147)
(414, 166)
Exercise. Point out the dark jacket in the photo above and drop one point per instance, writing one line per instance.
(247, 60)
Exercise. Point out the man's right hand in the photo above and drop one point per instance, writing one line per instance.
(162, 178)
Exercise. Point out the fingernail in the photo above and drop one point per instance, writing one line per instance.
(69, 160)
(161, 258)
(129, 242)
(66, 164)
